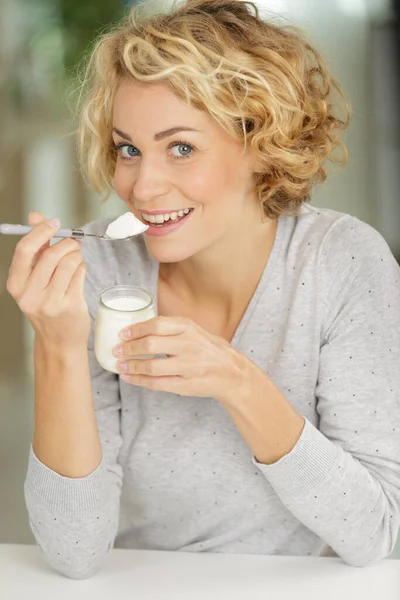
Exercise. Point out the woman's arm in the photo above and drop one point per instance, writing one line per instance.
(343, 480)
(71, 496)
(75, 518)
(65, 438)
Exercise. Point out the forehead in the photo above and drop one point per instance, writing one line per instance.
(152, 105)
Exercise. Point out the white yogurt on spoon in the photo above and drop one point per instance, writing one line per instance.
(125, 226)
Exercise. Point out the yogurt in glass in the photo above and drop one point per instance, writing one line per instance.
(119, 307)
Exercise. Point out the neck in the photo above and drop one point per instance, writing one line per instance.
(227, 271)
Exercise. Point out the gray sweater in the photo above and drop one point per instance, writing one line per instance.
(324, 324)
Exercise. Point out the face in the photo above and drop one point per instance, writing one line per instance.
(180, 172)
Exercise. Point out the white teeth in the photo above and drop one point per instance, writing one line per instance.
(162, 218)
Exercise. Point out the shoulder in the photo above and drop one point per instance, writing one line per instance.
(350, 263)
(355, 267)
(354, 249)
(342, 254)
(341, 242)
(306, 234)
(330, 228)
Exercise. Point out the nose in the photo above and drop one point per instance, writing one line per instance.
(151, 180)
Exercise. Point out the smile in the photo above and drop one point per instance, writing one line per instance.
(162, 218)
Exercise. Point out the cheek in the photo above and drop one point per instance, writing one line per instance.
(220, 184)
(206, 184)
(123, 181)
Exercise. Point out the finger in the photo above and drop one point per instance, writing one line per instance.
(171, 345)
(34, 219)
(156, 326)
(25, 253)
(174, 385)
(77, 283)
(63, 274)
(153, 367)
(48, 262)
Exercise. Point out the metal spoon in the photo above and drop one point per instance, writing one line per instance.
(77, 234)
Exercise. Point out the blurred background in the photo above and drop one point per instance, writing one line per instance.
(41, 42)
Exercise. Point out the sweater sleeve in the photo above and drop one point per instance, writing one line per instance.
(342, 479)
(75, 521)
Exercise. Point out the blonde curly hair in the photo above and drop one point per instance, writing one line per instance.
(263, 83)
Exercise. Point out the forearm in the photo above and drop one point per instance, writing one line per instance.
(263, 416)
(65, 437)
(327, 489)
(74, 521)
(353, 509)
(71, 491)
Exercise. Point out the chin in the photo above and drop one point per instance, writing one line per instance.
(163, 252)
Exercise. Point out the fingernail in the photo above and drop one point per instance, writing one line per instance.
(122, 366)
(125, 334)
(118, 351)
(55, 223)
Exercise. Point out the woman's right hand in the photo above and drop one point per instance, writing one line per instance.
(47, 284)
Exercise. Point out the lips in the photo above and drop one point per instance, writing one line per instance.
(161, 217)
(163, 229)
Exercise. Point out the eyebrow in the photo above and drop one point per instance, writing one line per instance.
(157, 136)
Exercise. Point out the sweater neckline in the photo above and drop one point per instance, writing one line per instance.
(264, 280)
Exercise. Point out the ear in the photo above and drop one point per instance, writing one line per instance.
(253, 160)
(258, 167)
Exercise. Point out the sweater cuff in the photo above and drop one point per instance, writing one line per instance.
(305, 466)
(66, 497)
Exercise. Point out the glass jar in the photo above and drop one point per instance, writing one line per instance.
(119, 307)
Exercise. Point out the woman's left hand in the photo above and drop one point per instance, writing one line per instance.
(198, 363)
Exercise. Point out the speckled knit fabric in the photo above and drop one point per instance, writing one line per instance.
(324, 323)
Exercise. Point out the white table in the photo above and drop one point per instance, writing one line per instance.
(148, 575)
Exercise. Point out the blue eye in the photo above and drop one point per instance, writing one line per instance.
(179, 150)
(182, 149)
(126, 151)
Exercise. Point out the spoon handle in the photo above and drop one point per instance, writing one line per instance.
(8, 229)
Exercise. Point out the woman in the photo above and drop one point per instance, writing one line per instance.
(273, 424)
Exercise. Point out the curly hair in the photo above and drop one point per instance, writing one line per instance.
(264, 84)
